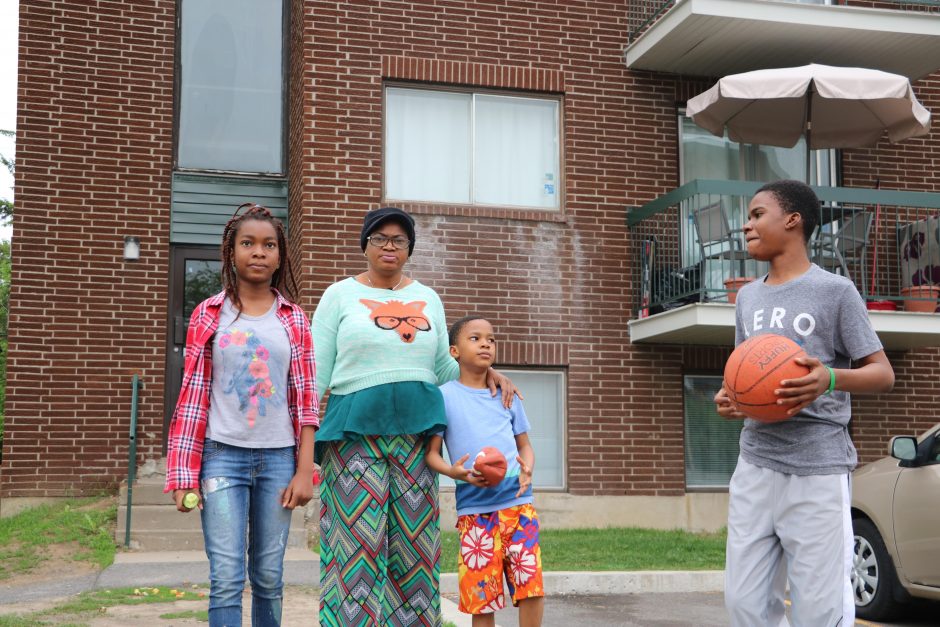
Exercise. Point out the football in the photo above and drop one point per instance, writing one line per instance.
(490, 463)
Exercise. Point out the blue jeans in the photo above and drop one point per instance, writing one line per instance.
(241, 491)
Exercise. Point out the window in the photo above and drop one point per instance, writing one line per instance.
(471, 148)
(705, 156)
(545, 407)
(711, 442)
(231, 107)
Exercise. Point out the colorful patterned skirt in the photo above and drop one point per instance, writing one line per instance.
(380, 541)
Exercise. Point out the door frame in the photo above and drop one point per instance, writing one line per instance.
(175, 330)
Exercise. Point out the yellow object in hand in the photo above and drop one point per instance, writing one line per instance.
(191, 500)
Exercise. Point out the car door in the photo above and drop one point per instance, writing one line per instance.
(917, 515)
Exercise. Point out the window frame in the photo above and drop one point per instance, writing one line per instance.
(548, 213)
(285, 98)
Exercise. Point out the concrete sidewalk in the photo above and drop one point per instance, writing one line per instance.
(302, 568)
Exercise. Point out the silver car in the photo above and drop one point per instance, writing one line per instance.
(896, 515)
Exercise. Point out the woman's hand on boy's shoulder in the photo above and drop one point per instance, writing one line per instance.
(496, 379)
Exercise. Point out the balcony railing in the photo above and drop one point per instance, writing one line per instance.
(687, 246)
(643, 13)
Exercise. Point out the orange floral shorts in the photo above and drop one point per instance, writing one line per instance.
(505, 541)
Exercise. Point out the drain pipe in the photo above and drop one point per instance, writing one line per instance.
(131, 459)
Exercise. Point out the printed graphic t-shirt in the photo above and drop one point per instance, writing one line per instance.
(825, 314)
(248, 401)
(476, 419)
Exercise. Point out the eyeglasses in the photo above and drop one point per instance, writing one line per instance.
(392, 322)
(379, 241)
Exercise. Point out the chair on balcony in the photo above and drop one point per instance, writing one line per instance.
(717, 240)
(846, 247)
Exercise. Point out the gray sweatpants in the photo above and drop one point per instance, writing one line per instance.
(792, 527)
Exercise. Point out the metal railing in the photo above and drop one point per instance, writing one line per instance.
(687, 245)
(641, 14)
(131, 458)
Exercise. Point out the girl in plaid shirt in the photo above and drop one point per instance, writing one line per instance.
(242, 434)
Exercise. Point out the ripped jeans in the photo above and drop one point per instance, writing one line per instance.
(242, 513)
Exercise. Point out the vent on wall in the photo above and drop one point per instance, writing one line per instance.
(201, 205)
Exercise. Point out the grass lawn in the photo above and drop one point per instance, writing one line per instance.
(78, 529)
(617, 549)
(90, 604)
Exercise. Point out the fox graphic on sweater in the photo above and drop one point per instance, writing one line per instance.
(404, 318)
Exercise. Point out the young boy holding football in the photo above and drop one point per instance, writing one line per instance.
(497, 523)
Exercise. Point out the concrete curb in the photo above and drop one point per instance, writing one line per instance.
(619, 582)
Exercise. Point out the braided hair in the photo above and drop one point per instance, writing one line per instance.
(283, 278)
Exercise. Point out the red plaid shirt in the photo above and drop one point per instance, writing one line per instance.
(188, 427)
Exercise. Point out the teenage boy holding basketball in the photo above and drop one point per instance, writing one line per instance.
(788, 514)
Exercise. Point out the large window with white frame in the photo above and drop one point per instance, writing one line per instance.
(231, 86)
(711, 442)
(545, 407)
(472, 148)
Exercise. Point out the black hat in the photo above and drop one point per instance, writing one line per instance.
(375, 219)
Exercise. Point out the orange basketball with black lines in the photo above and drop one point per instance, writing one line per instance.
(756, 368)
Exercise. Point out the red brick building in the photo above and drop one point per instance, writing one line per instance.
(154, 119)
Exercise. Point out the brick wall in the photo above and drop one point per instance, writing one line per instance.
(95, 138)
(542, 279)
(93, 161)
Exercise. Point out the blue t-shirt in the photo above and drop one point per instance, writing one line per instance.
(476, 419)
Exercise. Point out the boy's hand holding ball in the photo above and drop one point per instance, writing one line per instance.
(469, 475)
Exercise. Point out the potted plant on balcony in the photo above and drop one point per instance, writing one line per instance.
(734, 284)
(921, 298)
(920, 260)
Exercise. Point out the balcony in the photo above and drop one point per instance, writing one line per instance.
(712, 38)
(687, 250)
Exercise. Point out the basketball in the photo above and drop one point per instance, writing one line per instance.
(490, 463)
(756, 368)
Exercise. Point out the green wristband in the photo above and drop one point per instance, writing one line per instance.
(832, 380)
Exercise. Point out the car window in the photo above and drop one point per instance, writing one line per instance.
(934, 455)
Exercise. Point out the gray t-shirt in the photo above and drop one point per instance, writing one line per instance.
(825, 314)
(248, 400)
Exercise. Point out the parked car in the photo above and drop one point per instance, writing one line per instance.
(896, 515)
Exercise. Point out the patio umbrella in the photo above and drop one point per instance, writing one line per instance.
(832, 107)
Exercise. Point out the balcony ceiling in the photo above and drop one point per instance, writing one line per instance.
(712, 38)
(713, 324)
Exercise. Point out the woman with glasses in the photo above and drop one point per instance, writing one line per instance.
(382, 350)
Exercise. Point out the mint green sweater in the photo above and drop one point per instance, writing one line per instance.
(365, 336)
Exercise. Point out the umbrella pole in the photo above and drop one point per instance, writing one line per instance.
(809, 130)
